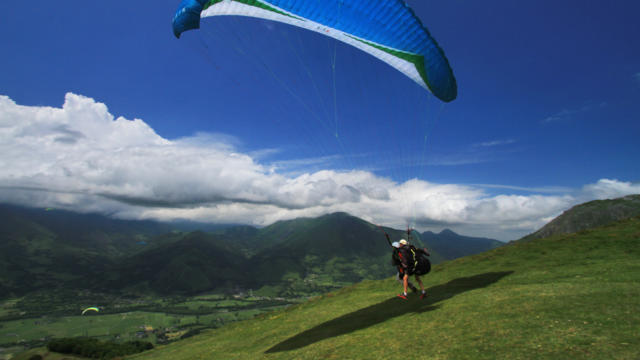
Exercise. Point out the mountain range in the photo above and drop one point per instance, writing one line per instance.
(43, 249)
(452, 245)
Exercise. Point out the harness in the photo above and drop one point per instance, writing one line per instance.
(415, 258)
(411, 264)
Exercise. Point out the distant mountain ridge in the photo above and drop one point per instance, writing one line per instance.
(589, 215)
(45, 249)
(452, 245)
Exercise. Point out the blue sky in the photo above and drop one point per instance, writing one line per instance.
(548, 115)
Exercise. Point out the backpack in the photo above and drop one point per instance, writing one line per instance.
(419, 262)
(423, 266)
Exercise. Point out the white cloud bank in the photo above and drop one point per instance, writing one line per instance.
(80, 157)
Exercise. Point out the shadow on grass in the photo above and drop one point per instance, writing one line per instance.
(386, 310)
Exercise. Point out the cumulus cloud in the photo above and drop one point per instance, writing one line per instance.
(81, 157)
(609, 188)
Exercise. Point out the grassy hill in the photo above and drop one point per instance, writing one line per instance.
(52, 249)
(589, 215)
(194, 263)
(571, 296)
(33, 256)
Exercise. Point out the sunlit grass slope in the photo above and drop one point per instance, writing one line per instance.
(573, 296)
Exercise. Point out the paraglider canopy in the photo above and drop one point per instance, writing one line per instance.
(386, 29)
(90, 309)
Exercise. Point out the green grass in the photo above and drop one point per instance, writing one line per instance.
(215, 310)
(8, 308)
(573, 296)
(96, 326)
(46, 355)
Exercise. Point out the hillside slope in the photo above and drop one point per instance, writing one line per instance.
(571, 296)
(195, 263)
(589, 215)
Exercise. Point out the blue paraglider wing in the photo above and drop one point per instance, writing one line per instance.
(386, 29)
